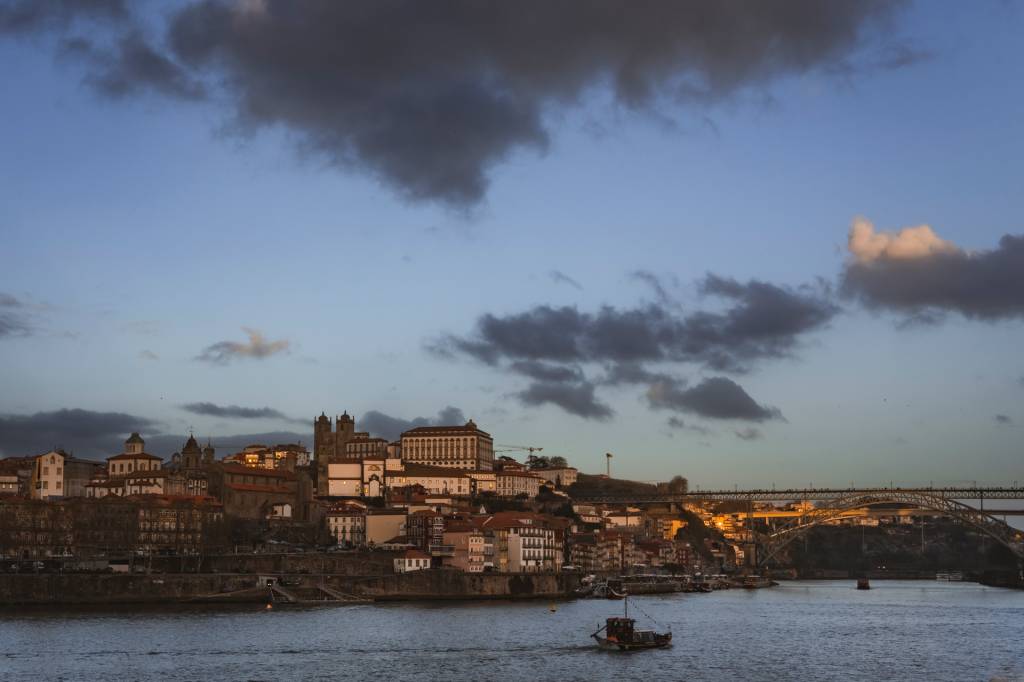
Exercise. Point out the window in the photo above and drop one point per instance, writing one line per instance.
(58, 485)
(46, 471)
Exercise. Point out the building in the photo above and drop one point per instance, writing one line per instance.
(435, 480)
(411, 560)
(347, 523)
(562, 477)
(525, 542)
(362, 446)
(9, 485)
(457, 447)
(344, 478)
(383, 525)
(88, 528)
(48, 476)
(467, 544)
(425, 530)
(77, 475)
(482, 482)
(509, 483)
(255, 493)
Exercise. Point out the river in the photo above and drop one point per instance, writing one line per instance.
(821, 630)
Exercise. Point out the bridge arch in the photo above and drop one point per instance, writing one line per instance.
(1012, 538)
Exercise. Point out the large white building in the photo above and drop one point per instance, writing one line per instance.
(457, 447)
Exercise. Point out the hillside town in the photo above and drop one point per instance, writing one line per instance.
(438, 497)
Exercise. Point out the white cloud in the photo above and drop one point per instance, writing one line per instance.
(867, 245)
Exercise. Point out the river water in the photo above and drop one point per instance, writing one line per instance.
(820, 630)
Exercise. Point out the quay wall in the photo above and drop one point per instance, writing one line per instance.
(451, 584)
(168, 588)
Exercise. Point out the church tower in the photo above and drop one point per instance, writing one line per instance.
(191, 454)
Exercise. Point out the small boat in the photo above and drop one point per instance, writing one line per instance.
(620, 634)
(950, 577)
(863, 584)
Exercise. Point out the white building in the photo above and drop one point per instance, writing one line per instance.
(412, 560)
(515, 483)
(457, 447)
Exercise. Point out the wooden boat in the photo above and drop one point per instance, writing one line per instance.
(863, 584)
(620, 634)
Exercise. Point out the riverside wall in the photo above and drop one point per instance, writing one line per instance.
(68, 589)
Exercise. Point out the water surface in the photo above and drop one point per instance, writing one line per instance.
(820, 630)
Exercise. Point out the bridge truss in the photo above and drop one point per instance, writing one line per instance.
(835, 508)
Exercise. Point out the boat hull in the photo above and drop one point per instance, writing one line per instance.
(660, 642)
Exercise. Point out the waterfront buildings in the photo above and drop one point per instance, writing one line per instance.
(411, 560)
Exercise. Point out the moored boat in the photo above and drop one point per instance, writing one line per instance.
(863, 584)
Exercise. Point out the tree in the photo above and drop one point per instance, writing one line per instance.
(678, 485)
(557, 462)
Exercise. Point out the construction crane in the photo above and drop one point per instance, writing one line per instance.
(519, 448)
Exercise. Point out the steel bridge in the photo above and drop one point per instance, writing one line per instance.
(833, 503)
(980, 493)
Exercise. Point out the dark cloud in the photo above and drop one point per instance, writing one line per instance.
(749, 433)
(630, 373)
(13, 320)
(82, 431)
(713, 398)
(236, 412)
(148, 355)
(559, 277)
(131, 67)
(385, 426)
(1003, 420)
(922, 277)
(575, 398)
(223, 352)
(22, 16)
(556, 346)
(543, 371)
(655, 283)
(763, 321)
(679, 424)
(429, 97)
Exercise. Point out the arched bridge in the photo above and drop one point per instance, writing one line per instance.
(835, 508)
(835, 502)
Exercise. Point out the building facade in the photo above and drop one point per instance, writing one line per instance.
(457, 447)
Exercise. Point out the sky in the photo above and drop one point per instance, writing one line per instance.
(750, 243)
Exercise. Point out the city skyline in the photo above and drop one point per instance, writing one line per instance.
(733, 283)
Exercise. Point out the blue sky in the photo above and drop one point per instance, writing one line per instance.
(145, 223)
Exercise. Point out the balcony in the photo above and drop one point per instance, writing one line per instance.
(442, 550)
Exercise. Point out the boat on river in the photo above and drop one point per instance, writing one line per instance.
(621, 634)
(863, 584)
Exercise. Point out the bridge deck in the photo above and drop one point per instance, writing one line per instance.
(797, 494)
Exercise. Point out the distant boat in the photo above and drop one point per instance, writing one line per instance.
(620, 634)
(950, 577)
(863, 584)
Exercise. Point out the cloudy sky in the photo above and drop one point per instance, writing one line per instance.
(753, 243)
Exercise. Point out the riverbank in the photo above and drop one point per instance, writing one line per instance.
(170, 588)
